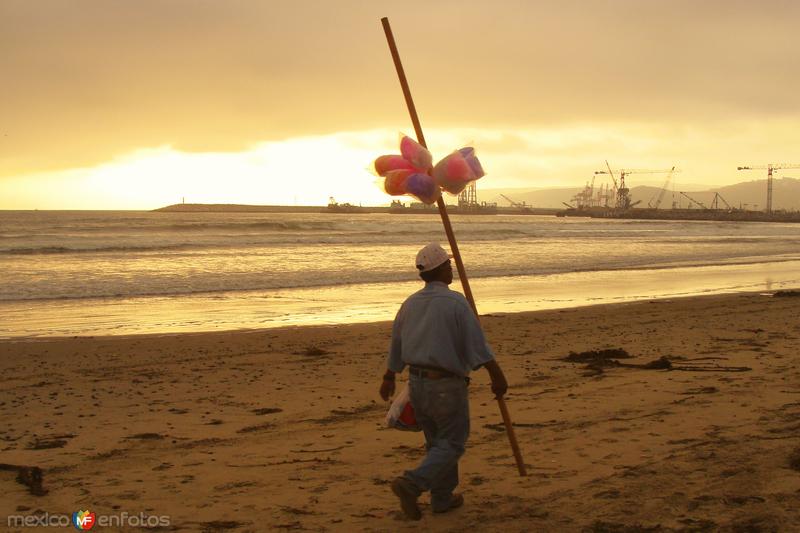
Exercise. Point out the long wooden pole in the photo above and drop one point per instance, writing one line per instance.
(448, 229)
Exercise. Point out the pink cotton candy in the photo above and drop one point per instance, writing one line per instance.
(469, 154)
(457, 170)
(453, 173)
(388, 163)
(423, 187)
(415, 153)
(395, 182)
(452, 168)
(455, 187)
(408, 173)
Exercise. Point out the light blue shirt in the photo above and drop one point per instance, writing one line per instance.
(436, 327)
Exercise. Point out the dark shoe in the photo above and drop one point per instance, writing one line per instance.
(456, 501)
(408, 494)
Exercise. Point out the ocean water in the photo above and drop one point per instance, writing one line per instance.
(99, 272)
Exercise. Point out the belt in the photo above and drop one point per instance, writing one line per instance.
(432, 373)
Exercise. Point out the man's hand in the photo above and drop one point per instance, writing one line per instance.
(387, 387)
(499, 383)
(499, 386)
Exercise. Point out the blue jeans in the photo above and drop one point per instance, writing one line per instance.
(442, 410)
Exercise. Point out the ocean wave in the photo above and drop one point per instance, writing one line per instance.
(55, 250)
(261, 225)
(472, 234)
(702, 239)
(133, 227)
(278, 285)
(336, 280)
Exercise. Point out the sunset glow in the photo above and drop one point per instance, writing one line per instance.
(282, 106)
(310, 170)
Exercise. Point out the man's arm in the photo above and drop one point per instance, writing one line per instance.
(477, 350)
(387, 386)
(394, 363)
(499, 383)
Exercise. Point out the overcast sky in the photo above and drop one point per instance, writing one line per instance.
(546, 90)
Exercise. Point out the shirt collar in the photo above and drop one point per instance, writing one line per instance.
(436, 285)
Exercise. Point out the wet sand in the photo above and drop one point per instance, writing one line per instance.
(283, 428)
(370, 302)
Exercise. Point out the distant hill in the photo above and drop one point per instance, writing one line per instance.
(749, 194)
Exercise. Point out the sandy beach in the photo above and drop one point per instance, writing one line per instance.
(282, 429)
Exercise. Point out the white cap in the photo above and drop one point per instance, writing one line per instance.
(431, 256)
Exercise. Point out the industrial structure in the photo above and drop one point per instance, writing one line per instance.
(700, 204)
(587, 198)
(616, 202)
(518, 205)
(769, 168)
(468, 202)
(621, 193)
(655, 202)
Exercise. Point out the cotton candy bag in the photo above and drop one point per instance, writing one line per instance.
(411, 172)
(401, 413)
(457, 170)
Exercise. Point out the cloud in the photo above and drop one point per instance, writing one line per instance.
(310, 169)
(84, 86)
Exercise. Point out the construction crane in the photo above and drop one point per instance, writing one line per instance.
(608, 167)
(623, 199)
(613, 194)
(701, 204)
(604, 195)
(717, 199)
(660, 197)
(518, 205)
(769, 168)
(608, 195)
(585, 198)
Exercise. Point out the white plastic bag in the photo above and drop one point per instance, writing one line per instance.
(401, 413)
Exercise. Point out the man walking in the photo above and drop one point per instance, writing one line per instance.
(437, 335)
